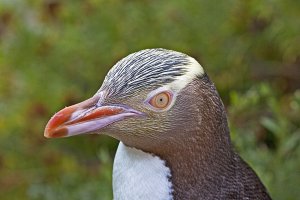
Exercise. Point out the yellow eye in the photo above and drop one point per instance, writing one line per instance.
(161, 100)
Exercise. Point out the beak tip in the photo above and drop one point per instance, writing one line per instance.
(53, 129)
(56, 133)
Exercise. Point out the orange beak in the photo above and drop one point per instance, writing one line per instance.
(86, 117)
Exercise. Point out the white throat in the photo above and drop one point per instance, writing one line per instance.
(138, 175)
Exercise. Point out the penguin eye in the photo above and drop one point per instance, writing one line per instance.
(161, 100)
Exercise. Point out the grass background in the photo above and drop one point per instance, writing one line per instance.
(56, 53)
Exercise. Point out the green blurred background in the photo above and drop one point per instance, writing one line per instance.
(55, 53)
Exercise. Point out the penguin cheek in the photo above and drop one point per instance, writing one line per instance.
(135, 129)
(124, 129)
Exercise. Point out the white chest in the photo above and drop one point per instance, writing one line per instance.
(138, 175)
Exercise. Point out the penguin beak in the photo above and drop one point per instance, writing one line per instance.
(86, 117)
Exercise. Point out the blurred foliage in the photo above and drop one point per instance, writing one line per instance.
(56, 53)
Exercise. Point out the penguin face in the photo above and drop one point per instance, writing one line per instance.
(144, 99)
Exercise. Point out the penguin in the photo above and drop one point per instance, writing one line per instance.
(173, 131)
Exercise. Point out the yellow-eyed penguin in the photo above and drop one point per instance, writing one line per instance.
(172, 127)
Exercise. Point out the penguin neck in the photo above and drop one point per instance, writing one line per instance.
(200, 163)
(181, 170)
